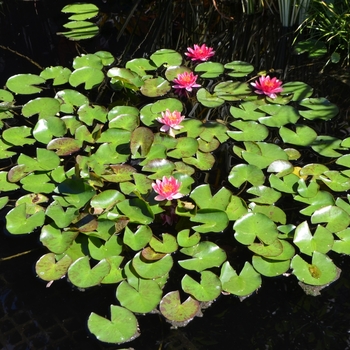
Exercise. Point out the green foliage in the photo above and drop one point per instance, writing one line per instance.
(85, 161)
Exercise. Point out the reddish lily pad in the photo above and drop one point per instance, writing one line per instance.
(172, 308)
(48, 269)
(64, 146)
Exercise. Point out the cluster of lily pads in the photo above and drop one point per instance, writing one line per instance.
(228, 193)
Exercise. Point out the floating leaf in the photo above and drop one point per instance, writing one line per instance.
(155, 87)
(121, 328)
(204, 199)
(297, 89)
(321, 271)
(89, 76)
(243, 284)
(168, 244)
(49, 270)
(140, 66)
(342, 245)
(336, 218)
(137, 210)
(239, 69)
(172, 308)
(83, 276)
(210, 69)
(80, 30)
(327, 145)
(249, 131)
(64, 145)
(209, 100)
(254, 225)
(81, 11)
(268, 267)
(44, 106)
(213, 220)
(321, 241)
(18, 222)
(152, 269)
(302, 136)
(59, 74)
(204, 255)
(244, 172)
(143, 299)
(18, 135)
(318, 108)
(25, 84)
(184, 239)
(208, 289)
(265, 195)
(166, 56)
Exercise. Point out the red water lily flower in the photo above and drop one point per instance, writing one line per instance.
(167, 188)
(186, 81)
(267, 86)
(171, 121)
(200, 53)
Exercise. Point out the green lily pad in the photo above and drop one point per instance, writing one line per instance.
(168, 244)
(241, 173)
(321, 270)
(209, 100)
(83, 276)
(141, 141)
(202, 161)
(185, 147)
(55, 240)
(297, 89)
(318, 108)
(99, 249)
(137, 210)
(239, 69)
(49, 270)
(236, 208)
(88, 113)
(184, 239)
(210, 69)
(45, 129)
(88, 60)
(278, 115)
(19, 222)
(89, 76)
(121, 328)
(249, 131)
(267, 250)
(204, 199)
(5, 184)
(167, 57)
(80, 30)
(281, 167)
(205, 255)
(44, 106)
(140, 66)
(81, 11)
(253, 225)
(155, 87)
(106, 199)
(335, 181)
(320, 200)
(172, 308)
(152, 269)
(212, 220)
(321, 241)
(59, 74)
(270, 268)
(18, 135)
(232, 90)
(70, 99)
(327, 145)
(242, 284)
(336, 218)
(25, 84)
(342, 245)
(273, 212)
(115, 274)
(143, 299)
(247, 111)
(302, 136)
(209, 287)
(265, 195)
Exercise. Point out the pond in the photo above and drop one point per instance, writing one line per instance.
(35, 315)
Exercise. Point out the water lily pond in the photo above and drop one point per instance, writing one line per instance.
(182, 197)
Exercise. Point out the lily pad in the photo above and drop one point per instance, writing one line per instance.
(152, 269)
(241, 173)
(242, 284)
(143, 299)
(48, 269)
(25, 84)
(172, 308)
(121, 328)
(83, 276)
(209, 287)
(204, 255)
(321, 270)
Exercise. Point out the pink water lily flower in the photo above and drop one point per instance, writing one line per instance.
(200, 53)
(167, 188)
(186, 81)
(267, 86)
(171, 121)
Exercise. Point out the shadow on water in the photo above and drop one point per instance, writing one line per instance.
(278, 316)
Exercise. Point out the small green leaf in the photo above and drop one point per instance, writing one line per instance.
(83, 276)
(302, 136)
(152, 269)
(210, 69)
(184, 239)
(318, 108)
(321, 271)
(121, 328)
(204, 255)
(336, 218)
(208, 289)
(270, 268)
(44, 106)
(168, 244)
(89, 76)
(209, 100)
(249, 131)
(143, 299)
(243, 284)
(241, 173)
(59, 74)
(25, 84)
(212, 220)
